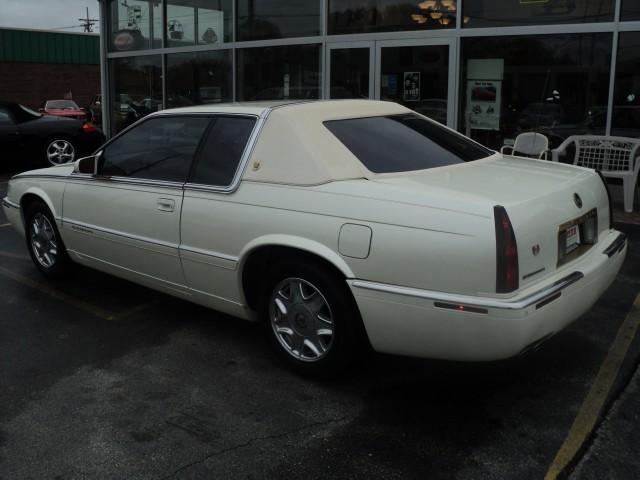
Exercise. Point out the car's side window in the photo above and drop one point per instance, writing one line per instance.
(5, 117)
(222, 150)
(160, 148)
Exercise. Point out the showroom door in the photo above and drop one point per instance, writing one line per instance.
(418, 74)
(350, 70)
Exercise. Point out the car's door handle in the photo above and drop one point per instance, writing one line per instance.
(166, 205)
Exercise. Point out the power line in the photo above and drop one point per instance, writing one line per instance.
(88, 23)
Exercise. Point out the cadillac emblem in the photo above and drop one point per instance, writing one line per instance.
(578, 200)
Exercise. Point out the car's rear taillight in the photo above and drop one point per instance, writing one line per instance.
(506, 253)
(606, 187)
(88, 127)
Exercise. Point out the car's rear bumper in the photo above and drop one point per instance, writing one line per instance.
(432, 324)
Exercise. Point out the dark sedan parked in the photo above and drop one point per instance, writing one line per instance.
(35, 140)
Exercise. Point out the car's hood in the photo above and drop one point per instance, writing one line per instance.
(500, 179)
(57, 171)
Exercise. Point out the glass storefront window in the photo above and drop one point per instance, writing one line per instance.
(504, 13)
(417, 77)
(264, 19)
(349, 73)
(626, 99)
(630, 10)
(554, 84)
(197, 78)
(275, 73)
(136, 89)
(135, 25)
(359, 16)
(198, 22)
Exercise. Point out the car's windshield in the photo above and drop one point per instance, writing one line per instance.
(402, 143)
(61, 104)
(29, 111)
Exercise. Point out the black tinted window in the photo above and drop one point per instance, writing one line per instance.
(400, 143)
(222, 150)
(158, 149)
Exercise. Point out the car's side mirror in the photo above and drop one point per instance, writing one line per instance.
(87, 165)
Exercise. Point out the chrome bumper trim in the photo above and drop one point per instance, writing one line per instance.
(618, 244)
(8, 203)
(534, 298)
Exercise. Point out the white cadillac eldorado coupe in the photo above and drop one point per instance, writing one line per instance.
(339, 223)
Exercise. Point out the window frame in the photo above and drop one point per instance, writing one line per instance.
(248, 148)
(141, 180)
(246, 154)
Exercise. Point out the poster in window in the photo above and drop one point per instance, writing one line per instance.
(411, 87)
(484, 104)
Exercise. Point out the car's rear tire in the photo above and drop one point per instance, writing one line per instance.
(59, 150)
(44, 243)
(311, 318)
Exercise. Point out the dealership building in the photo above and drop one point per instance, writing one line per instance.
(488, 68)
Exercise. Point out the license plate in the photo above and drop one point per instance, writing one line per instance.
(572, 235)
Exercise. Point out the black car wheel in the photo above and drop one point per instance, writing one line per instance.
(60, 150)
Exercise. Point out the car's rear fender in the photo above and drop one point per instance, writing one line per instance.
(311, 247)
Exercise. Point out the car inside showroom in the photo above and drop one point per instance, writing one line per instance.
(491, 69)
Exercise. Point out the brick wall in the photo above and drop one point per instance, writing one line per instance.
(33, 83)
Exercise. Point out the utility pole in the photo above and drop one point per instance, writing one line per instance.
(87, 23)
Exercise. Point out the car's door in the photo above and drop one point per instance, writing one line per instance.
(126, 219)
(9, 135)
(211, 227)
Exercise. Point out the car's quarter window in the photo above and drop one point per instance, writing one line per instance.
(222, 150)
(160, 148)
(405, 142)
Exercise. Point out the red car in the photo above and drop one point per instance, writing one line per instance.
(63, 108)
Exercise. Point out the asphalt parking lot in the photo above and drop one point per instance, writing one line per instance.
(103, 379)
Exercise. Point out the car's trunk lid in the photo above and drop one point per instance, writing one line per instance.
(539, 197)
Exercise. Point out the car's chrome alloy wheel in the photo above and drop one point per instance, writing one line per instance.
(60, 151)
(43, 241)
(301, 319)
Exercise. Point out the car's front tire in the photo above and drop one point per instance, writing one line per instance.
(311, 318)
(44, 242)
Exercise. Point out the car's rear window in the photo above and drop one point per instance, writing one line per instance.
(61, 104)
(401, 143)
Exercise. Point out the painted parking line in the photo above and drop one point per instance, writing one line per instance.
(16, 256)
(592, 406)
(85, 306)
(138, 309)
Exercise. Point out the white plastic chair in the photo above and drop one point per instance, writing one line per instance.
(615, 157)
(531, 144)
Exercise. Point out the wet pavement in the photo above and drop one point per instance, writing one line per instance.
(101, 378)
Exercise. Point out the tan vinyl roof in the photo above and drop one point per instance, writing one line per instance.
(294, 147)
